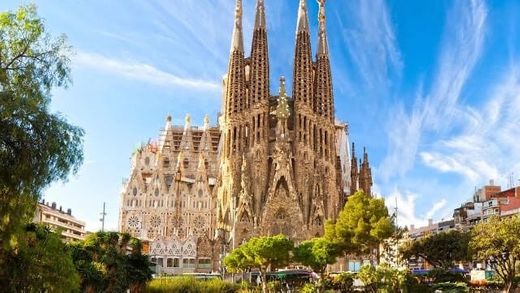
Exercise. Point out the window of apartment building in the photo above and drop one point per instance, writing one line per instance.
(188, 263)
(169, 262)
(204, 263)
(175, 262)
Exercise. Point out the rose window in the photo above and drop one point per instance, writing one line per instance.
(155, 221)
(133, 222)
(199, 222)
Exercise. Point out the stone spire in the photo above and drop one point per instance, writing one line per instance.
(165, 140)
(206, 122)
(260, 15)
(365, 175)
(259, 91)
(237, 41)
(354, 175)
(303, 67)
(235, 80)
(303, 19)
(323, 47)
(323, 99)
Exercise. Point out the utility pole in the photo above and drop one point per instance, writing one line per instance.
(103, 214)
(396, 235)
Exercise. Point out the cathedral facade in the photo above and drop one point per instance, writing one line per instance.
(275, 163)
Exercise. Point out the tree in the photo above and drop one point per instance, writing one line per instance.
(263, 253)
(36, 147)
(236, 261)
(111, 262)
(441, 250)
(498, 241)
(316, 253)
(41, 263)
(361, 225)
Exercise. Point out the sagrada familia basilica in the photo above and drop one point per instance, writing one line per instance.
(273, 164)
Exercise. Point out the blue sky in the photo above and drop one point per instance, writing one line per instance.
(431, 88)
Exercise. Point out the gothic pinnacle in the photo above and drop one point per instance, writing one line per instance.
(206, 122)
(303, 20)
(260, 15)
(237, 41)
(322, 31)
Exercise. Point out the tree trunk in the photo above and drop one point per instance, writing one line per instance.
(508, 286)
(263, 275)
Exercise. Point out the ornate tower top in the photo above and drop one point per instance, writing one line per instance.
(168, 122)
(282, 110)
(237, 41)
(303, 19)
(187, 121)
(206, 122)
(260, 15)
(322, 33)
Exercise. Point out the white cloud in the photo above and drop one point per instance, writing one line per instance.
(406, 207)
(371, 41)
(487, 146)
(463, 41)
(141, 72)
(437, 206)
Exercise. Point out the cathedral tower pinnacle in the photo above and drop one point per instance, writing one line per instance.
(258, 115)
(323, 101)
(235, 82)
(237, 41)
(303, 69)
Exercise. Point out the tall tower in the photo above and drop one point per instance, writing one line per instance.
(365, 175)
(259, 112)
(304, 122)
(323, 107)
(233, 126)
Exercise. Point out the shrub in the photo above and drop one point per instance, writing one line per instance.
(343, 282)
(274, 286)
(412, 284)
(190, 285)
(309, 288)
(444, 276)
(449, 287)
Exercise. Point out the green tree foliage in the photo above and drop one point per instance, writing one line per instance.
(361, 225)
(498, 241)
(41, 263)
(316, 253)
(263, 253)
(441, 250)
(111, 262)
(36, 147)
(236, 261)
